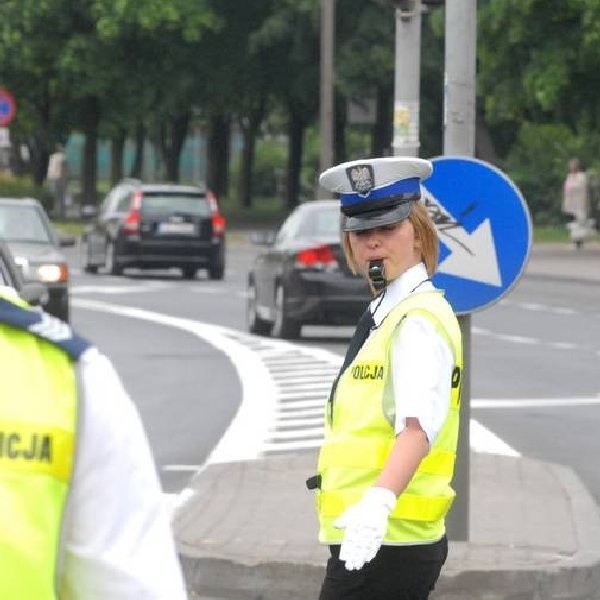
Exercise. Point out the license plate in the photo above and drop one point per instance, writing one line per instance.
(180, 228)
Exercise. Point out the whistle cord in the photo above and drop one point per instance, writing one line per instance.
(373, 327)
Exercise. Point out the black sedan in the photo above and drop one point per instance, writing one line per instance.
(301, 278)
(35, 246)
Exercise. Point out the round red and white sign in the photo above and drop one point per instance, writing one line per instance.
(8, 107)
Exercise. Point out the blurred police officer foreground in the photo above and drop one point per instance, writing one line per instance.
(81, 512)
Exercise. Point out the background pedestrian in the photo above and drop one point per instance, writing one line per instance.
(576, 202)
(58, 177)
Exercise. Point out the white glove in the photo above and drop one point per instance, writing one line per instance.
(365, 523)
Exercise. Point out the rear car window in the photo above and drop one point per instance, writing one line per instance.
(324, 222)
(162, 203)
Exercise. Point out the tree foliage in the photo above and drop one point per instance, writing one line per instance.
(112, 68)
(538, 76)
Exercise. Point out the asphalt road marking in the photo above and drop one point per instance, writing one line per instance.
(111, 290)
(146, 286)
(266, 368)
(531, 341)
(535, 403)
(535, 307)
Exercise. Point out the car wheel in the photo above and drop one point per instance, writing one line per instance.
(216, 272)
(188, 272)
(216, 269)
(255, 323)
(284, 326)
(111, 265)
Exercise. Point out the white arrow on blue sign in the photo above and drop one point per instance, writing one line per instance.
(484, 230)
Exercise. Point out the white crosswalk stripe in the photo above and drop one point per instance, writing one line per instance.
(302, 378)
(285, 387)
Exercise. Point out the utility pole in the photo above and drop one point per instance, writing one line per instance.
(326, 120)
(407, 78)
(459, 140)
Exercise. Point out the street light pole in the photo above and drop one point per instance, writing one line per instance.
(407, 78)
(459, 139)
(326, 121)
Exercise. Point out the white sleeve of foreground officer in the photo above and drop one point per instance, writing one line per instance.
(117, 541)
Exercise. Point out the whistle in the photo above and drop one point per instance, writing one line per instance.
(376, 274)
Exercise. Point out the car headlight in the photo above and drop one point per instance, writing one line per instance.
(53, 273)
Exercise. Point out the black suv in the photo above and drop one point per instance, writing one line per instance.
(155, 226)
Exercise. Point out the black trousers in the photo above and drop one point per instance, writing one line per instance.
(396, 573)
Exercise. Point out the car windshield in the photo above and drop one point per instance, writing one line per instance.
(164, 203)
(23, 224)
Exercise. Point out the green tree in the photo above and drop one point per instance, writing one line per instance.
(289, 41)
(74, 64)
(539, 72)
(32, 36)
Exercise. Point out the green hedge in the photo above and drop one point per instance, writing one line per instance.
(15, 187)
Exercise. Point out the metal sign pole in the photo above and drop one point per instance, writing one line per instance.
(326, 93)
(459, 139)
(407, 80)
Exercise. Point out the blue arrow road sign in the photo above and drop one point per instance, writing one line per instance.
(484, 230)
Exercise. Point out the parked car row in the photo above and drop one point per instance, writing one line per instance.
(299, 278)
(138, 225)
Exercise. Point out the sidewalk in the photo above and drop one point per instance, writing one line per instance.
(564, 261)
(249, 530)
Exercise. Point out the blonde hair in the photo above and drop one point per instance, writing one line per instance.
(425, 234)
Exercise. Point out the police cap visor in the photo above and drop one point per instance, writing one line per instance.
(377, 218)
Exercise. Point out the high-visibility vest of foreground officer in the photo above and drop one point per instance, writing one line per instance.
(38, 420)
(359, 436)
(55, 543)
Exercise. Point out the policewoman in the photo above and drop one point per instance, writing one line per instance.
(383, 486)
(81, 511)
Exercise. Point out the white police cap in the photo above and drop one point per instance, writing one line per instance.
(376, 191)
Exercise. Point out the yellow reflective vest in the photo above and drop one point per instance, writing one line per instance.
(359, 435)
(38, 416)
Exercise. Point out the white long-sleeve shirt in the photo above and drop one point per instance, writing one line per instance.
(117, 540)
(421, 359)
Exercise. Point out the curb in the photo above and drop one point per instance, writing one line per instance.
(555, 577)
(265, 581)
(479, 570)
